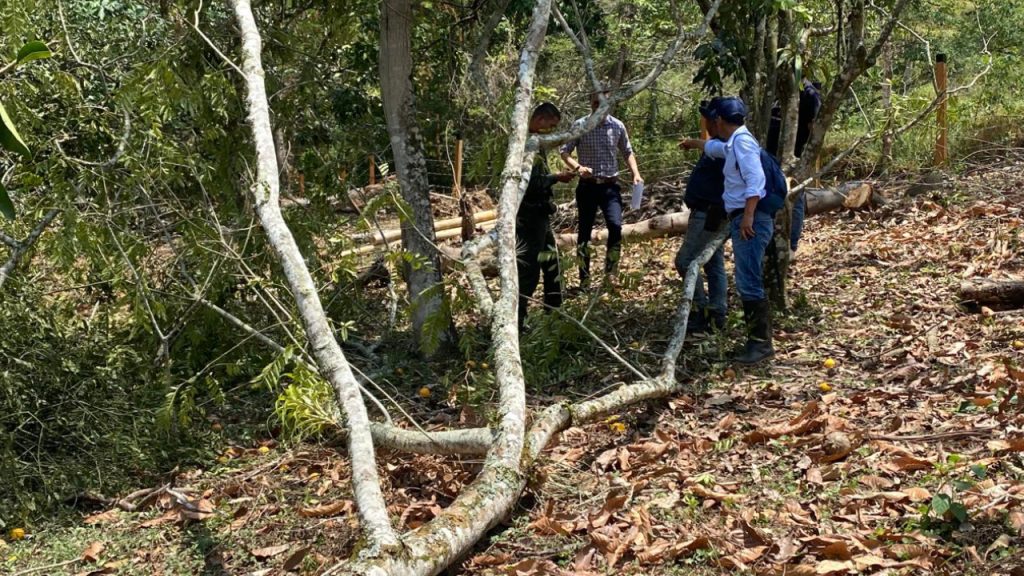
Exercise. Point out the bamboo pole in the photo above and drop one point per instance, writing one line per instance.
(373, 171)
(457, 190)
(942, 142)
(440, 235)
(375, 237)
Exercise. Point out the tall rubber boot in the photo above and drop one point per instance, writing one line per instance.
(758, 316)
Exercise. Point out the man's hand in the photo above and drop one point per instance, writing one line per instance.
(584, 171)
(637, 179)
(747, 225)
(691, 144)
(565, 176)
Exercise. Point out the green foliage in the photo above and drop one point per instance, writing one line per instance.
(306, 406)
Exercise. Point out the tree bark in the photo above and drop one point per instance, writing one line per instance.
(885, 157)
(328, 354)
(992, 292)
(424, 281)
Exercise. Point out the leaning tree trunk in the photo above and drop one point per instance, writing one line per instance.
(424, 281)
(331, 360)
(858, 59)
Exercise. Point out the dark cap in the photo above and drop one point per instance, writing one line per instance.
(709, 110)
(732, 109)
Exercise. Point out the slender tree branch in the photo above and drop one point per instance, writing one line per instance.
(330, 358)
(20, 248)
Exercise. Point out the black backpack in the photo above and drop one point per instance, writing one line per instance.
(774, 184)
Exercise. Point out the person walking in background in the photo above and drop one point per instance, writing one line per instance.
(810, 104)
(533, 222)
(703, 197)
(750, 228)
(597, 166)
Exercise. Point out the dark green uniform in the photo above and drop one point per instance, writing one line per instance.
(534, 236)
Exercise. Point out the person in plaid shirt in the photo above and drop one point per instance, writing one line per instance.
(598, 169)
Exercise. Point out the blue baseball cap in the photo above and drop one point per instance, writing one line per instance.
(731, 109)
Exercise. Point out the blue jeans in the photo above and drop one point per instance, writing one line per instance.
(749, 256)
(693, 244)
(797, 224)
(589, 197)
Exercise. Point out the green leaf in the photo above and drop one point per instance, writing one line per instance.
(959, 512)
(979, 471)
(9, 137)
(34, 50)
(6, 206)
(940, 504)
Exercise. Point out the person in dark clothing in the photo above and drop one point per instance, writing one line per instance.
(534, 238)
(810, 104)
(707, 216)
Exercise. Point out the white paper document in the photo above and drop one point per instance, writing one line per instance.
(638, 196)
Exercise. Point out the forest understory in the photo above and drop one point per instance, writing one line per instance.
(886, 437)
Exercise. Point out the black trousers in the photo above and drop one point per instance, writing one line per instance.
(608, 197)
(535, 253)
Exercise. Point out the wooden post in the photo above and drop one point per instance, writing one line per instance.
(302, 184)
(457, 190)
(465, 209)
(373, 171)
(703, 122)
(942, 143)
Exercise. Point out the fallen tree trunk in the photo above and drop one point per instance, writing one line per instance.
(991, 292)
(851, 195)
(672, 224)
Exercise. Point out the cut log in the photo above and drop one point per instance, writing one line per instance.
(439, 236)
(990, 292)
(672, 224)
(851, 195)
(395, 234)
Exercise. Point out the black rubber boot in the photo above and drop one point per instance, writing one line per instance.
(697, 322)
(758, 316)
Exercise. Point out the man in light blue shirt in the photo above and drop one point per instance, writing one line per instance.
(751, 228)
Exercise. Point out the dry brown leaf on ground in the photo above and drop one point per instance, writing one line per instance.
(552, 523)
(664, 551)
(614, 502)
(328, 509)
(833, 567)
(742, 559)
(295, 559)
(168, 517)
(93, 551)
(103, 517)
(806, 421)
(269, 551)
(917, 494)
(532, 567)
